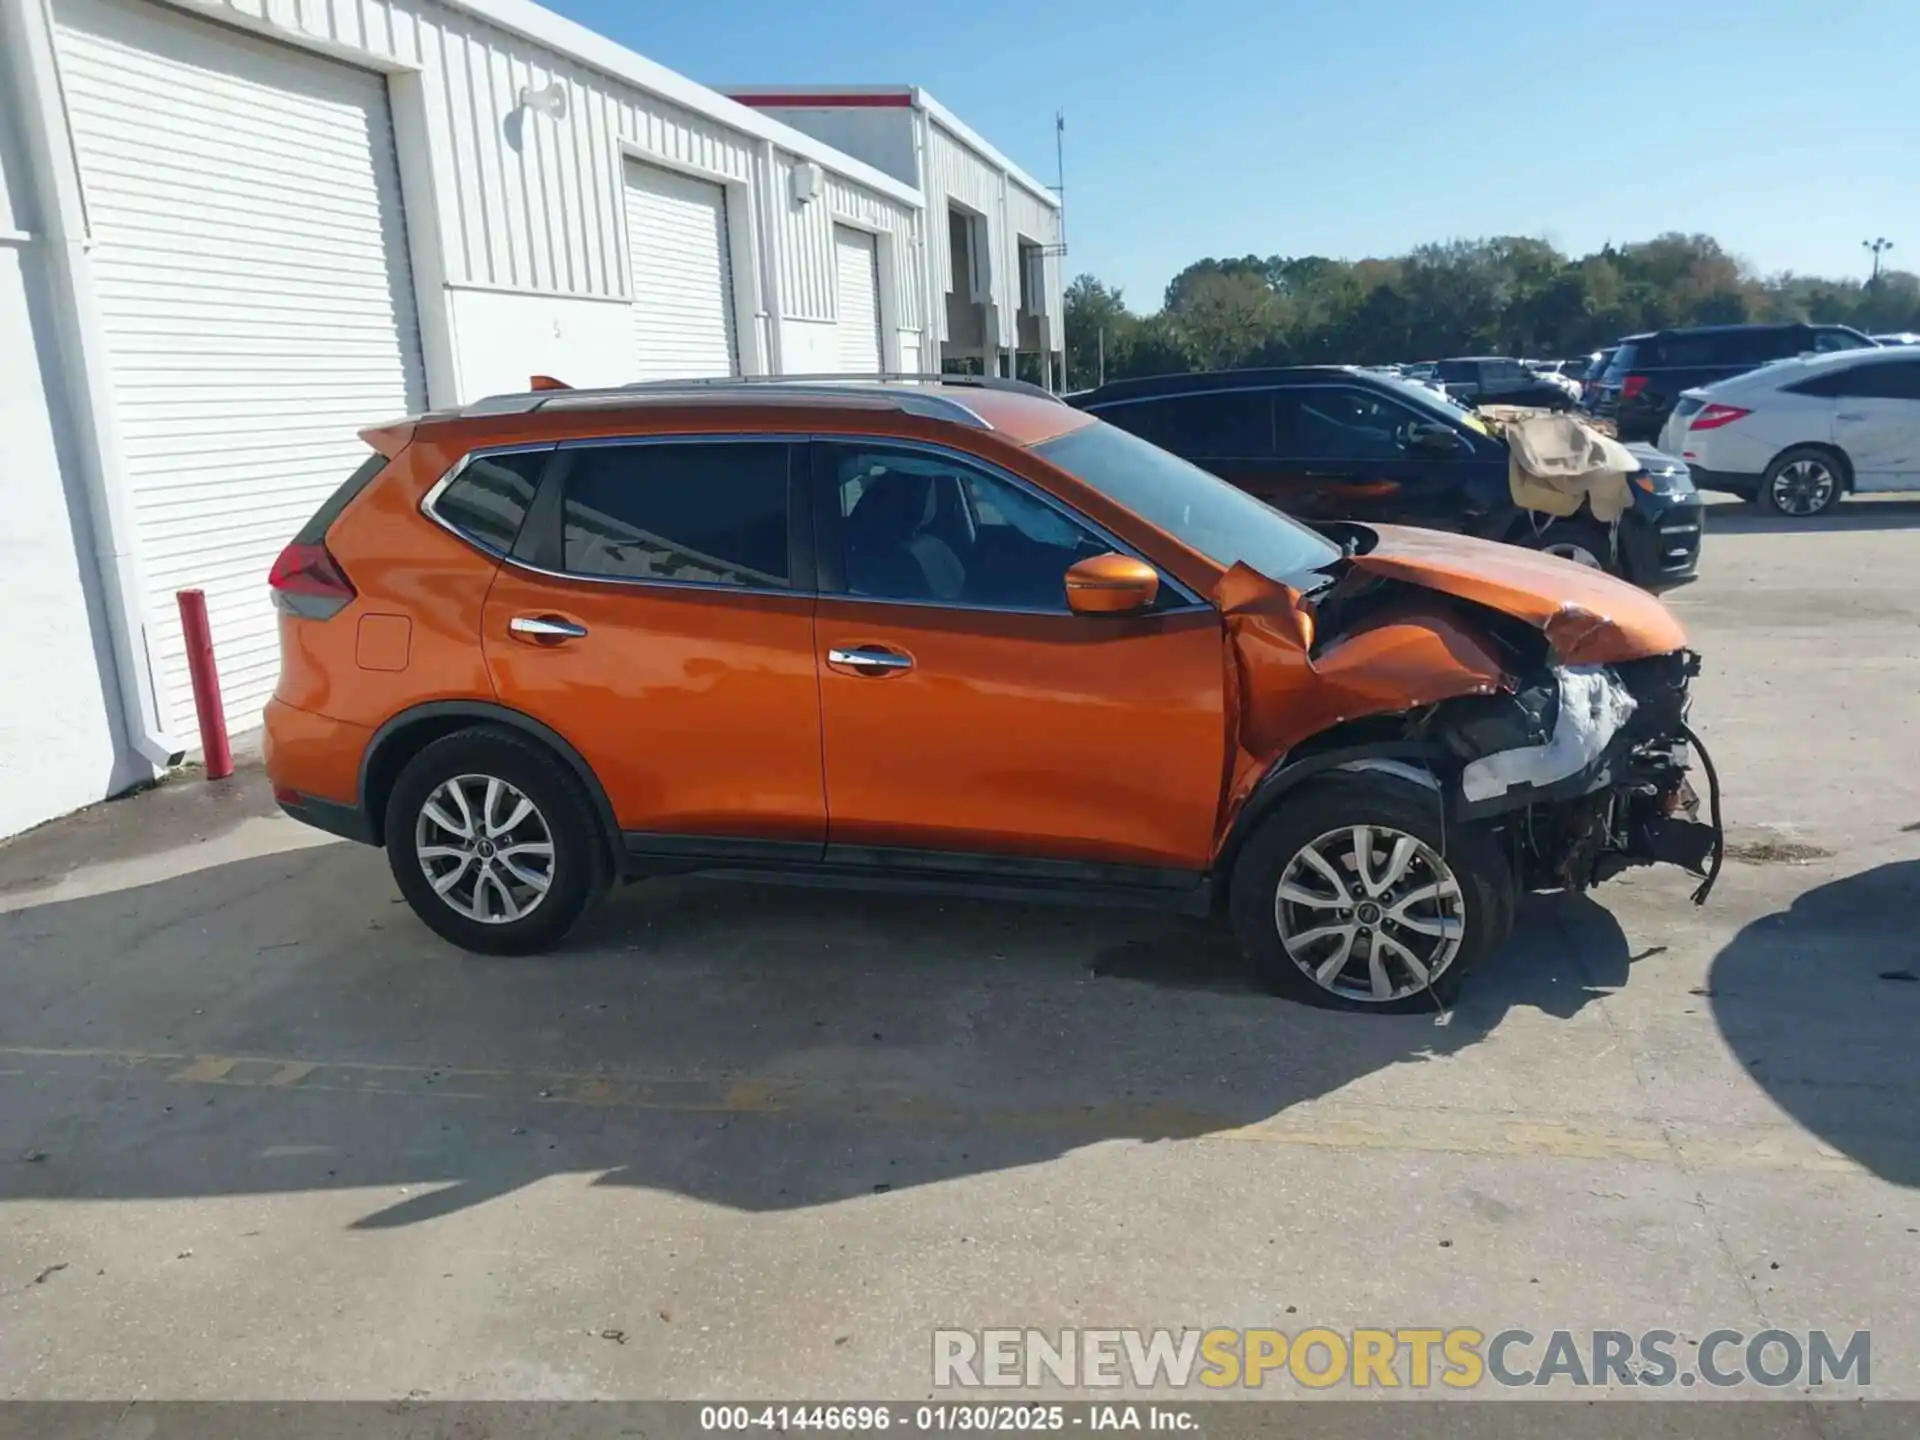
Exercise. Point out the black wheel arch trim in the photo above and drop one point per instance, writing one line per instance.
(1284, 776)
(487, 712)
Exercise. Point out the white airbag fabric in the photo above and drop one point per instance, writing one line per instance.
(1593, 707)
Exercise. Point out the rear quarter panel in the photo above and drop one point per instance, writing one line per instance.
(412, 634)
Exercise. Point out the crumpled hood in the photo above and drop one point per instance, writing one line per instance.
(1588, 617)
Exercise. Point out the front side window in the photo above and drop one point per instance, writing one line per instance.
(1339, 424)
(921, 526)
(1828, 341)
(488, 500)
(713, 514)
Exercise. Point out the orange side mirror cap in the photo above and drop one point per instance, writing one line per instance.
(1111, 585)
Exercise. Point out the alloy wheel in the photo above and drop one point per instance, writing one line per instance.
(485, 848)
(1572, 550)
(1803, 488)
(1370, 913)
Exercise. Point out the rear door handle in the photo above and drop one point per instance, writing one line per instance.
(1849, 415)
(549, 628)
(870, 660)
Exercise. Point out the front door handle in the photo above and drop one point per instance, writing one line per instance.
(870, 660)
(1849, 415)
(548, 628)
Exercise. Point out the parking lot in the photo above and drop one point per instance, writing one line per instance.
(263, 1136)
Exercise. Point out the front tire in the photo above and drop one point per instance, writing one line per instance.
(1354, 895)
(1584, 542)
(1805, 481)
(494, 843)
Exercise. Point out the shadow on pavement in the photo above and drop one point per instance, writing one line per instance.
(1852, 513)
(284, 1023)
(1821, 1003)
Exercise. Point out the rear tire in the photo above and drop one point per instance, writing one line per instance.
(494, 843)
(1803, 482)
(1434, 898)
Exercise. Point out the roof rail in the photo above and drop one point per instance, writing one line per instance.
(733, 390)
(884, 377)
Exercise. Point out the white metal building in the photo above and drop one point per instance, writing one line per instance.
(994, 236)
(232, 232)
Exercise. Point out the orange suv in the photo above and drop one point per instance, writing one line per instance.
(963, 638)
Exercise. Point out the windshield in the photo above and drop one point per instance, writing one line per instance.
(1200, 510)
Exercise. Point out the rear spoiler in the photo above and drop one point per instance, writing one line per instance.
(391, 437)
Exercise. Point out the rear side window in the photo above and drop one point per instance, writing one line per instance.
(710, 514)
(1216, 425)
(1899, 381)
(315, 530)
(489, 498)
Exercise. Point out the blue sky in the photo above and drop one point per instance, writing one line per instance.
(1789, 129)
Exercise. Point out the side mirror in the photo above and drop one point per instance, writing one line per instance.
(1434, 440)
(1111, 585)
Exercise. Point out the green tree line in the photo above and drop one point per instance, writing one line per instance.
(1500, 296)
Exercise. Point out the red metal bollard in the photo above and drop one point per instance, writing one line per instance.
(206, 683)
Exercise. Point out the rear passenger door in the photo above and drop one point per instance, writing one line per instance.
(1876, 421)
(657, 611)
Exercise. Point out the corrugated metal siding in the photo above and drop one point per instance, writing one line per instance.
(955, 172)
(535, 203)
(532, 202)
(1029, 215)
(250, 262)
(807, 265)
(806, 247)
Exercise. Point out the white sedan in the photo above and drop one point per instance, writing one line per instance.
(1796, 435)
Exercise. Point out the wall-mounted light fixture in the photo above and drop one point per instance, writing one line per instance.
(808, 182)
(548, 100)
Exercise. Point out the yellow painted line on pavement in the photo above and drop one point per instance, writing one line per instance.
(1318, 1124)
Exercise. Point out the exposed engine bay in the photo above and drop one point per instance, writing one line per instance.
(1585, 769)
(1560, 726)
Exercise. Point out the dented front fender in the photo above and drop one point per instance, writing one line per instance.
(1401, 658)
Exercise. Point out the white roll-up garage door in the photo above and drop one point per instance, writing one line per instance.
(856, 265)
(677, 246)
(250, 259)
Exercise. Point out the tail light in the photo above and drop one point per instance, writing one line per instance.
(307, 581)
(1714, 416)
(1632, 386)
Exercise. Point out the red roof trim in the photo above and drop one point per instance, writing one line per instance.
(781, 99)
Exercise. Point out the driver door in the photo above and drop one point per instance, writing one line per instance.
(970, 719)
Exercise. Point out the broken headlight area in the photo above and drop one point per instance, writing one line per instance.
(1586, 770)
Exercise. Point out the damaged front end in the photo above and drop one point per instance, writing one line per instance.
(1585, 768)
(1546, 705)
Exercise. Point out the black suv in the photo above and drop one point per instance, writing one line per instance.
(1328, 443)
(1498, 380)
(1644, 379)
